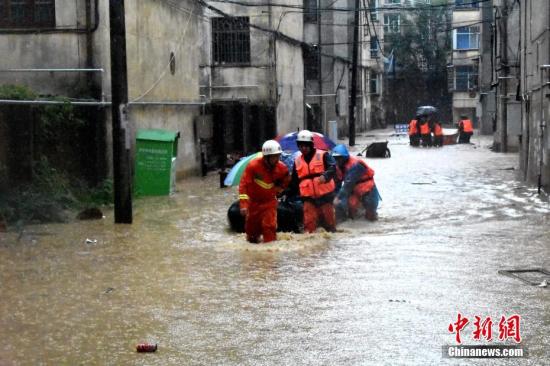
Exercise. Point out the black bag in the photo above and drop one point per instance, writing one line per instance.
(378, 150)
(289, 216)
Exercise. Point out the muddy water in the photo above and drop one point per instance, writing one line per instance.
(373, 293)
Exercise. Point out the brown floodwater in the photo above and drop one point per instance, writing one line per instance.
(372, 293)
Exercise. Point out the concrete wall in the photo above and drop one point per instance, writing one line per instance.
(154, 31)
(275, 73)
(487, 95)
(290, 88)
(48, 50)
(535, 51)
(506, 76)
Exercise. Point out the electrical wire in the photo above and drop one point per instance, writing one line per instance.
(369, 9)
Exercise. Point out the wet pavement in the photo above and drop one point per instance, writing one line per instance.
(378, 293)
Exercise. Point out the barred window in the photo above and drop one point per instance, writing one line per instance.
(27, 13)
(311, 62)
(231, 40)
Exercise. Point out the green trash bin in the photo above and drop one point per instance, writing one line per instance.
(156, 152)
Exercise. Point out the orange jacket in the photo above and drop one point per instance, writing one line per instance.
(364, 183)
(308, 175)
(413, 129)
(260, 184)
(438, 131)
(425, 128)
(465, 125)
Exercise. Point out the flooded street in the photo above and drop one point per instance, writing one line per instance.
(373, 293)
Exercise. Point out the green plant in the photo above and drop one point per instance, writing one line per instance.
(18, 92)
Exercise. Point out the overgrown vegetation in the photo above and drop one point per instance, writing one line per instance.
(44, 178)
(53, 196)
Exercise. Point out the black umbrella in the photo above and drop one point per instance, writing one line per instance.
(426, 110)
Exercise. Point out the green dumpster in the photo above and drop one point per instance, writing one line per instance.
(156, 152)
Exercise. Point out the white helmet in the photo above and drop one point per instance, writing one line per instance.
(304, 136)
(271, 147)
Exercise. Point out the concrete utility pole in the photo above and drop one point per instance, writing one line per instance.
(353, 100)
(506, 68)
(119, 91)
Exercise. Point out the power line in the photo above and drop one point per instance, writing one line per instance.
(364, 8)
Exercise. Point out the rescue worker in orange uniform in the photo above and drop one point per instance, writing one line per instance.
(414, 132)
(262, 180)
(438, 134)
(425, 132)
(313, 177)
(466, 129)
(356, 180)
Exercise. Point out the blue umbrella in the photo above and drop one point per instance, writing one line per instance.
(320, 141)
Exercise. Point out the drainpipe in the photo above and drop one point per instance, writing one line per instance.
(320, 64)
(89, 45)
(504, 88)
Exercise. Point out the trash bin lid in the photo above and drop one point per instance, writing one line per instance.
(157, 135)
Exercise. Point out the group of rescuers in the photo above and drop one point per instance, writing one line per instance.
(325, 182)
(423, 126)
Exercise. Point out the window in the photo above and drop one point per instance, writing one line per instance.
(463, 78)
(467, 38)
(311, 62)
(231, 40)
(391, 23)
(392, 2)
(373, 47)
(464, 4)
(27, 13)
(310, 10)
(373, 13)
(373, 83)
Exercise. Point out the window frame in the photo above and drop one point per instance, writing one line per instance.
(465, 80)
(374, 13)
(237, 33)
(374, 48)
(388, 26)
(466, 5)
(472, 37)
(30, 18)
(373, 83)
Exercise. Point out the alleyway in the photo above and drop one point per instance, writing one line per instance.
(373, 293)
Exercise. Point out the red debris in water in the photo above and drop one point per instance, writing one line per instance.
(146, 347)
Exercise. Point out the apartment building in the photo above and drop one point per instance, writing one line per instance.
(463, 70)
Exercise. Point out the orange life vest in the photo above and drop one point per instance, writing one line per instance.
(438, 131)
(365, 183)
(308, 175)
(425, 128)
(466, 125)
(413, 129)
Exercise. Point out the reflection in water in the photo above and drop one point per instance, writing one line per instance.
(179, 278)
